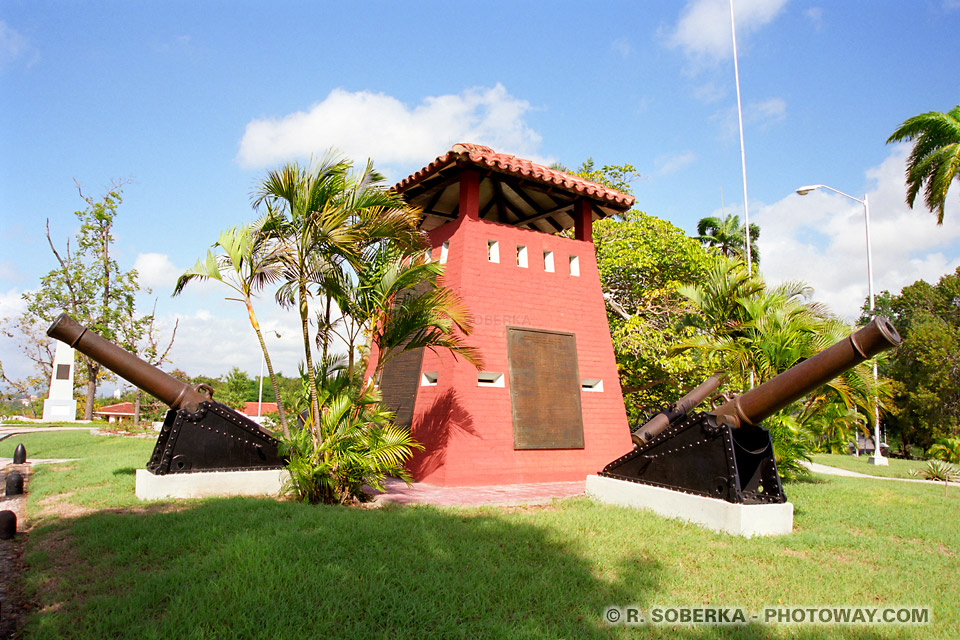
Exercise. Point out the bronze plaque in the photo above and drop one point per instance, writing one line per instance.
(63, 372)
(399, 382)
(544, 389)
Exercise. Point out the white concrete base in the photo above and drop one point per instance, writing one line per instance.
(746, 520)
(59, 410)
(880, 462)
(210, 483)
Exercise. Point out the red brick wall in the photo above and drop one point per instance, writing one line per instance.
(468, 430)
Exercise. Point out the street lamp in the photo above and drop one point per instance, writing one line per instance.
(877, 458)
(260, 397)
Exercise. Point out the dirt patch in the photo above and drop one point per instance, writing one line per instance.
(12, 605)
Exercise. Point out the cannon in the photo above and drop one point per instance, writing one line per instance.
(726, 453)
(198, 433)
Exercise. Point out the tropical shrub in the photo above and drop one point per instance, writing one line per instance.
(946, 449)
(352, 443)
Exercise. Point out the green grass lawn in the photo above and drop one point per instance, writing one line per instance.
(861, 464)
(103, 565)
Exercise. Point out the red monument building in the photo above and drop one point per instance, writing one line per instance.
(547, 405)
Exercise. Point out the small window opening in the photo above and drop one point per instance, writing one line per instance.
(428, 379)
(591, 384)
(521, 256)
(574, 265)
(489, 379)
(493, 251)
(548, 261)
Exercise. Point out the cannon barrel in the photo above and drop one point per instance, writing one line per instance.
(751, 408)
(169, 390)
(662, 420)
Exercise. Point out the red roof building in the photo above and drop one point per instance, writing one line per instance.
(250, 409)
(116, 412)
(547, 405)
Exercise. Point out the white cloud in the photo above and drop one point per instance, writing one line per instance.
(673, 162)
(156, 271)
(364, 124)
(820, 239)
(815, 16)
(761, 114)
(14, 46)
(621, 46)
(703, 30)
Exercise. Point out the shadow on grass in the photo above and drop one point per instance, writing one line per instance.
(245, 567)
(125, 471)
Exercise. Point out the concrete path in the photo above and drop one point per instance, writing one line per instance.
(498, 495)
(834, 471)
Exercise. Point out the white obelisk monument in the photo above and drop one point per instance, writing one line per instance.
(61, 405)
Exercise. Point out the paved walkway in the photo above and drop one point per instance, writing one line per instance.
(834, 471)
(499, 495)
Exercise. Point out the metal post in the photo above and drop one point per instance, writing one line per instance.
(877, 458)
(260, 397)
(743, 156)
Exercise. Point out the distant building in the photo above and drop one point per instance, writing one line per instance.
(116, 412)
(250, 409)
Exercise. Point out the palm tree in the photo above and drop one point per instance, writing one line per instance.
(319, 219)
(397, 301)
(934, 162)
(728, 237)
(244, 269)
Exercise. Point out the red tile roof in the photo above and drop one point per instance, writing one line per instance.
(488, 158)
(250, 408)
(119, 409)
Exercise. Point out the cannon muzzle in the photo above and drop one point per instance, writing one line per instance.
(166, 388)
(760, 403)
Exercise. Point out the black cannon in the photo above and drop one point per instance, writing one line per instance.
(198, 433)
(725, 453)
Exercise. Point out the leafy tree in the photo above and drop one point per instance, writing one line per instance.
(235, 390)
(926, 367)
(643, 261)
(934, 162)
(89, 285)
(244, 267)
(728, 236)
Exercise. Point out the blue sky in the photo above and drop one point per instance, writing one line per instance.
(194, 101)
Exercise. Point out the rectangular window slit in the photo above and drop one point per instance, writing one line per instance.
(548, 261)
(591, 384)
(521, 256)
(428, 379)
(489, 379)
(493, 251)
(574, 266)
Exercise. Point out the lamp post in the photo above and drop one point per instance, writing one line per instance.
(877, 458)
(260, 397)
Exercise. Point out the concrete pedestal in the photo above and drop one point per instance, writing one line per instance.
(746, 520)
(208, 484)
(59, 410)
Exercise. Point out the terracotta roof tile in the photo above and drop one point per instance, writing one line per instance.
(486, 157)
(122, 408)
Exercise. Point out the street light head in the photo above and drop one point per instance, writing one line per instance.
(807, 189)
